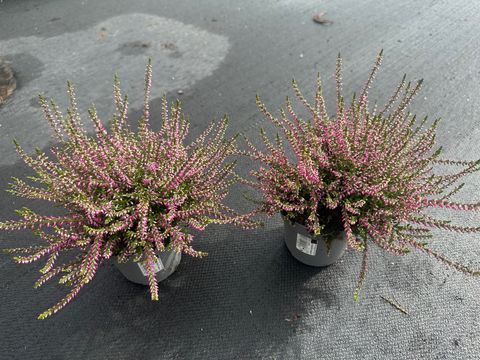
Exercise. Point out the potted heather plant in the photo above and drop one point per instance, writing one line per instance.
(359, 177)
(128, 195)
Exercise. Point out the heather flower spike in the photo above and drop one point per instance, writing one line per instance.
(125, 194)
(371, 170)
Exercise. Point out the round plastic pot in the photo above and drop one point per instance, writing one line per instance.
(313, 250)
(135, 271)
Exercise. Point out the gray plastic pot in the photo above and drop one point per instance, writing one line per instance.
(166, 265)
(313, 250)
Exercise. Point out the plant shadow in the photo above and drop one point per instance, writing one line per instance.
(249, 296)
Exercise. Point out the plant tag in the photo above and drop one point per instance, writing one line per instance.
(158, 266)
(306, 245)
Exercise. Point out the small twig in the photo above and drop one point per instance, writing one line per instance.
(395, 305)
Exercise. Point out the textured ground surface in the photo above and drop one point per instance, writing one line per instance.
(249, 298)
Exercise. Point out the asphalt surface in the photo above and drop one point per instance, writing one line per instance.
(249, 298)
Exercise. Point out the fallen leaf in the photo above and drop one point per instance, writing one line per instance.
(318, 18)
(8, 83)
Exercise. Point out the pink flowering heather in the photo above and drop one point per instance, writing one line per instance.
(126, 194)
(367, 172)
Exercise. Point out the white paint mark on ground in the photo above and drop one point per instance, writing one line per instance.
(181, 55)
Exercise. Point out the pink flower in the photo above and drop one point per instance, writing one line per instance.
(153, 166)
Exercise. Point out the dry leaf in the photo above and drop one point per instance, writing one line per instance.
(318, 18)
(8, 83)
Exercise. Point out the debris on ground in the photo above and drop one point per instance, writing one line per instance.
(319, 19)
(293, 318)
(8, 83)
(180, 92)
(169, 46)
(102, 33)
(395, 305)
(138, 44)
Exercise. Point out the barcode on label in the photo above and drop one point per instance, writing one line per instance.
(306, 245)
(158, 266)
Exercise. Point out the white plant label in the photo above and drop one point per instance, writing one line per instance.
(306, 245)
(158, 266)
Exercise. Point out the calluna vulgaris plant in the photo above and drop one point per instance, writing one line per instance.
(126, 194)
(371, 172)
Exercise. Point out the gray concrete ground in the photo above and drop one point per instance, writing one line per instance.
(249, 298)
